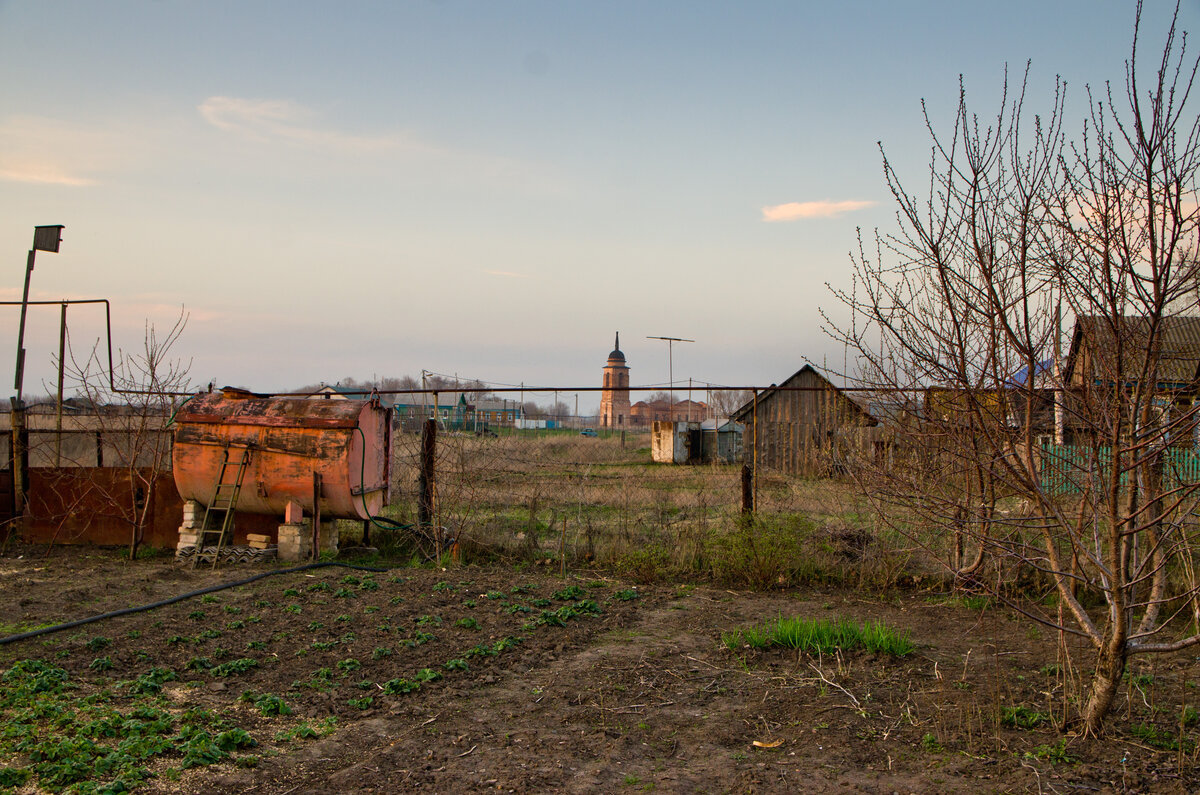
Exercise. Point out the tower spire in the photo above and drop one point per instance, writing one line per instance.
(617, 343)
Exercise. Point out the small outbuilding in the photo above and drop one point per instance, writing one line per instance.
(804, 426)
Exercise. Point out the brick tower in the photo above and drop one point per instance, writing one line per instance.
(614, 400)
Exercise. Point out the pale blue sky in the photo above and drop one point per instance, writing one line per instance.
(487, 188)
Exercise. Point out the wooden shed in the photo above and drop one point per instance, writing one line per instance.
(804, 426)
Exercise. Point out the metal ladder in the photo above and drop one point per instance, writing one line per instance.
(221, 507)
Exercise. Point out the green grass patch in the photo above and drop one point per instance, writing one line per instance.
(819, 636)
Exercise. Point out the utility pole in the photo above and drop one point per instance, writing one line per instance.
(671, 369)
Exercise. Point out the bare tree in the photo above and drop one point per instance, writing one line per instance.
(133, 409)
(726, 401)
(957, 316)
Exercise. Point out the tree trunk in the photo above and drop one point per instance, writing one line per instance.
(1110, 668)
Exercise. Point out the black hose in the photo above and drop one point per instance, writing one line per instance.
(33, 633)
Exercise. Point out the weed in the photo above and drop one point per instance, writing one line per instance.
(1158, 738)
(300, 732)
(133, 634)
(930, 743)
(232, 609)
(626, 595)
(208, 599)
(151, 682)
(399, 687)
(570, 593)
(1020, 717)
(1054, 754)
(271, 705)
(239, 666)
(419, 638)
(506, 643)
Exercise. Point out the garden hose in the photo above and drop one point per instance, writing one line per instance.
(392, 524)
(171, 420)
(378, 521)
(33, 633)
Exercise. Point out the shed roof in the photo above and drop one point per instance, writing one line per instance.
(1178, 355)
(744, 412)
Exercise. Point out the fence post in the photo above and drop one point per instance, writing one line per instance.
(747, 490)
(315, 546)
(427, 481)
(20, 456)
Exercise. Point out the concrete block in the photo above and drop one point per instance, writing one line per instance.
(295, 542)
(193, 513)
(328, 542)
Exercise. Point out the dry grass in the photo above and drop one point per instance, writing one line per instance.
(545, 497)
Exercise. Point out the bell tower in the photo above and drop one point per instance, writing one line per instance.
(614, 400)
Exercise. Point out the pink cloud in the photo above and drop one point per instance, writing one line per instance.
(794, 211)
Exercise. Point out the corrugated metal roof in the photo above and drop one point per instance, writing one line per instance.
(1178, 355)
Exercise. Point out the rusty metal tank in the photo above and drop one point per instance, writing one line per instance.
(346, 442)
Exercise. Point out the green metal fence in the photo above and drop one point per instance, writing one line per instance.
(1068, 469)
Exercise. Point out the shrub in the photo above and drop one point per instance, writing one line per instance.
(761, 553)
(646, 564)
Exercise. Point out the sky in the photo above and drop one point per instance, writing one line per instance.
(488, 189)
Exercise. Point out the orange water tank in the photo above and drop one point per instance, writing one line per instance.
(346, 442)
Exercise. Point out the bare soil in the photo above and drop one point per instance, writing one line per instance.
(638, 696)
